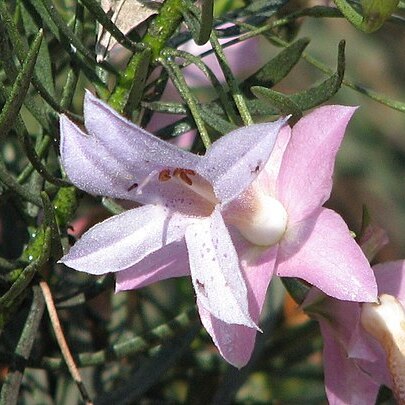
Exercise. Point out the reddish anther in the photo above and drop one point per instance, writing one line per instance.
(164, 175)
(184, 174)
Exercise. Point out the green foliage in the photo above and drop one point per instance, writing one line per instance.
(147, 347)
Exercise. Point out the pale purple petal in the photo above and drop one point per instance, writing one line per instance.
(322, 251)
(236, 342)
(123, 240)
(236, 159)
(345, 382)
(390, 278)
(89, 166)
(267, 179)
(369, 356)
(169, 261)
(305, 179)
(215, 271)
(129, 142)
(119, 159)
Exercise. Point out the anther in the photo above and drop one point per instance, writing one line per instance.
(164, 175)
(184, 174)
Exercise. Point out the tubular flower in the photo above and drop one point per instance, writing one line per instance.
(364, 344)
(250, 206)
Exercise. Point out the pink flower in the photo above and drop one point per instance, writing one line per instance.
(364, 344)
(251, 206)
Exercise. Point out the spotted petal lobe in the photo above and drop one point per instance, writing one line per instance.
(236, 342)
(215, 271)
(123, 240)
(236, 159)
(305, 178)
(322, 251)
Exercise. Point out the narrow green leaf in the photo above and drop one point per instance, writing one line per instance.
(350, 13)
(373, 95)
(74, 42)
(34, 158)
(149, 374)
(234, 88)
(51, 222)
(265, 8)
(281, 101)
(137, 85)
(207, 11)
(216, 121)
(323, 92)
(70, 42)
(278, 67)
(24, 278)
(199, 22)
(95, 9)
(176, 129)
(65, 204)
(312, 97)
(11, 386)
(23, 191)
(43, 68)
(39, 8)
(112, 206)
(178, 80)
(134, 345)
(20, 87)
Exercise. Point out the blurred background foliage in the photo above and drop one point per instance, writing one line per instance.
(147, 346)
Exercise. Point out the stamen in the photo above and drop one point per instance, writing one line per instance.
(147, 179)
(164, 175)
(184, 174)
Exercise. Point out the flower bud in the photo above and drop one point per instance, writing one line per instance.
(385, 321)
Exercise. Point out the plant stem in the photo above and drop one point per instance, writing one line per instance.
(159, 31)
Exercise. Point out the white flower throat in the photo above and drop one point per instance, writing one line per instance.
(260, 218)
(264, 222)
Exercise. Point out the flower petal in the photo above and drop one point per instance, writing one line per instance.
(322, 251)
(267, 179)
(123, 240)
(391, 279)
(215, 271)
(169, 261)
(305, 179)
(89, 166)
(119, 159)
(129, 142)
(236, 342)
(236, 159)
(345, 383)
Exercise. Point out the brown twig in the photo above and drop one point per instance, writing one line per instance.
(60, 337)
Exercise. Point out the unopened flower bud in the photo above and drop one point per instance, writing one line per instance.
(385, 321)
